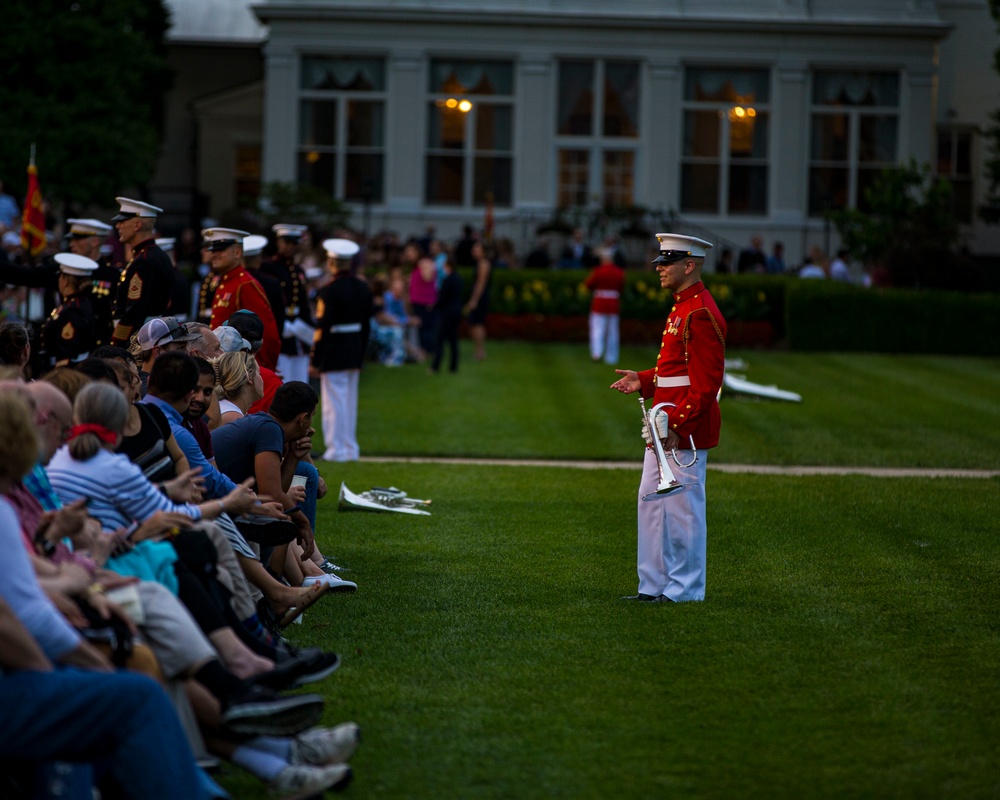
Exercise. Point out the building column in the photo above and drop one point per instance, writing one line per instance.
(788, 170)
(534, 176)
(918, 119)
(406, 131)
(280, 115)
(659, 184)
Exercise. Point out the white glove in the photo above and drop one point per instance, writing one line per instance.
(645, 433)
(662, 425)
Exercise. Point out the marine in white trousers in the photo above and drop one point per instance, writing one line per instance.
(340, 414)
(673, 531)
(293, 368)
(604, 337)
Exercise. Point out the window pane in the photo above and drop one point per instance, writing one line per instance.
(619, 179)
(856, 89)
(445, 126)
(700, 188)
(363, 176)
(364, 124)
(701, 134)
(318, 123)
(491, 174)
(827, 189)
(493, 127)
(343, 74)
(747, 132)
(621, 99)
(576, 98)
(878, 139)
(316, 169)
(727, 85)
(830, 134)
(945, 162)
(747, 189)
(444, 179)
(574, 178)
(471, 77)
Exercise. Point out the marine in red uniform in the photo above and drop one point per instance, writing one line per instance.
(606, 282)
(688, 375)
(236, 289)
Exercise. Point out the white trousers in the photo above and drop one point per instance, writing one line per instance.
(604, 337)
(673, 531)
(340, 414)
(293, 368)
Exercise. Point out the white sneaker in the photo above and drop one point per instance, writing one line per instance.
(299, 781)
(322, 746)
(336, 584)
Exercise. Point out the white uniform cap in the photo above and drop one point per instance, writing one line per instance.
(673, 246)
(341, 248)
(12, 239)
(221, 238)
(128, 208)
(254, 245)
(283, 231)
(166, 245)
(88, 227)
(72, 264)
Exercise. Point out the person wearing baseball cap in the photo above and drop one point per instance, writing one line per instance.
(147, 281)
(68, 334)
(684, 384)
(157, 336)
(293, 363)
(233, 288)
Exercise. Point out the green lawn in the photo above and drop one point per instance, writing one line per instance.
(847, 648)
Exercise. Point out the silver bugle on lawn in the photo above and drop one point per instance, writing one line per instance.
(668, 485)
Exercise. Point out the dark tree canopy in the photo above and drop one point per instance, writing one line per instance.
(84, 80)
(990, 211)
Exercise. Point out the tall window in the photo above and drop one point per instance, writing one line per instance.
(954, 162)
(855, 132)
(597, 133)
(724, 165)
(342, 126)
(470, 133)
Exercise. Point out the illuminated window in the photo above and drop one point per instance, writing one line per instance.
(724, 166)
(470, 133)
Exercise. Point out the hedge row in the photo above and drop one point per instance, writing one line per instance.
(805, 315)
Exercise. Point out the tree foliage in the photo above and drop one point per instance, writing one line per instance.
(906, 227)
(84, 80)
(990, 210)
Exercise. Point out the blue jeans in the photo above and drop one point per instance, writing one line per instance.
(312, 487)
(123, 720)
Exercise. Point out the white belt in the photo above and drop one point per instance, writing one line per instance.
(347, 327)
(674, 380)
(607, 294)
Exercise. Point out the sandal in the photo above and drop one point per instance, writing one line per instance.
(315, 592)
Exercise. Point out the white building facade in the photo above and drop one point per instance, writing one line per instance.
(738, 117)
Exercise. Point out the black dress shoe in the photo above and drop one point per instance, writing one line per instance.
(642, 598)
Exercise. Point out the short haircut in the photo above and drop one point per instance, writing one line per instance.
(67, 380)
(110, 351)
(173, 375)
(97, 369)
(292, 399)
(204, 366)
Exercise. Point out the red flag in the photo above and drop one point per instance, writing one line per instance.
(33, 218)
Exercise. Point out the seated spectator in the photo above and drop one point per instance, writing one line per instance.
(15, 345)
(268, 447)
(238, 384)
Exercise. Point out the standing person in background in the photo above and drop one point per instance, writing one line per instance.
(68, 335)
(147, 281)
(236, 289)
(297, 322)
(463, 248)
(343, 324)
(673, 531)
(253, 253)
(449, 317)
(423, 293)
(838, 268)
(753, 259)
(606, 282)
(776, 261)
(180, 301)
(479, 303)
(86, 238)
